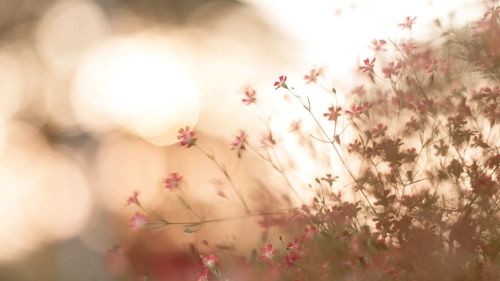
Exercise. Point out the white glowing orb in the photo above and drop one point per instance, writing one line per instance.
(139, 84)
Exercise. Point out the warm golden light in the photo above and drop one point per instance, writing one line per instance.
(137, 83)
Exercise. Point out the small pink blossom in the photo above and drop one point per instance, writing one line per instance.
(291, 258)
(187, 137)
(408, 23)
(173, 181)
(309, 232)
(281, 83)
(368, 65)
(249, 96)
(431, 65)
(360, 90)
(333, 113)
(267, 252)
(268, 140)
(203, 274)
(296, 126)
(378, 45)
(134, 199)
(312, 77)
(293, 246)
(239, 142)
(209, 261)
(138, 221)
(408, 46)
(392, 69)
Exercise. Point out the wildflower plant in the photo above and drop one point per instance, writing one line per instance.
(422, 166)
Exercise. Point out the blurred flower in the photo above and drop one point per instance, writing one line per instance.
(293, 246)
(391, 69)
(239, 143)
(203, 274)
(134, 199)
(268, 140)
(309, 232)
(291, 258)
(313, 75)
(296, 125)
(360, 90)
(333, 113)
(173, 181)
(281, 83)
(267, 252)
(249, 96)
(209, 261)
(187, 137)
(378, 45)
(138, 221)
(407, 24)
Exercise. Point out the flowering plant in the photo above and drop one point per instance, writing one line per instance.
(422, 161)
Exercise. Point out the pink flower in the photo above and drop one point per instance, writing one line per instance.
(391, 69)
(431, 65)
(379, 131)
(138, 221)
(281, 83)
(293, 246)
(408, 46)
(239, 143)
(309, 232)
(354, 146)
(134, 199)
(187, 137)
(333, 113)
(378, 45)
(291, 259)
(203, 274)
(209, 261)
(360, 90)
(368, 65)
(268, 140)
(267, 252)
(408, 23)
(249, 96)
(173, 181)
(295, 126)
(313, 75)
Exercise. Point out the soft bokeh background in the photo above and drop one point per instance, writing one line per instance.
(92, 94)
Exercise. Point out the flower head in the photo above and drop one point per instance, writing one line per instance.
(281, 83)
(333, 113)
(268, 140)
(408, 23)
(239, 143)
(267, 252)
(249, 96)
(309, 232)
(203, 274)
(209, 261)
(378, 45)
(138, 221)
(173, 181)
(134, 199)
(187, 137)
(291, 258)
(391, 69)
(312, 77)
